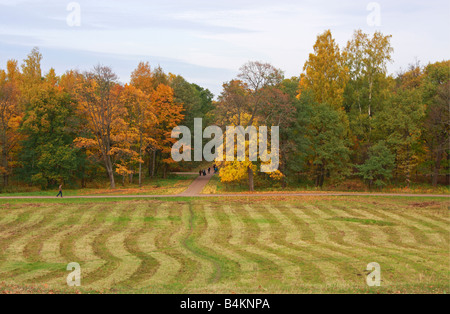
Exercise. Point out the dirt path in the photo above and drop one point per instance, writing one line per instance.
(196, 188)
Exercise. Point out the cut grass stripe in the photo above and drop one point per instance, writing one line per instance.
(22, 251)
(212, 242)
(36, 251)
(55, 249)
(409, 257)
(86, 248)
(373, 251)
(346, 260)
(228, 239)
(10, 216)
(210, 269)
(301, 270)
(128, 263)
(258, 265)
(155, 242)
(148, 265)
(254, 242)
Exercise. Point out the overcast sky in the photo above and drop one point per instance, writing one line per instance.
(206, 41)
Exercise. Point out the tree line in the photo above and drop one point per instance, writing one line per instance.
(77, 127)
(343, 117)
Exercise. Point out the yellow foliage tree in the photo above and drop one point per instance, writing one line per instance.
(326, 73)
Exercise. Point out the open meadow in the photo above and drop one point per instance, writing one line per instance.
(205, 245)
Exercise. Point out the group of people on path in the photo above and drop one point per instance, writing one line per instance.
(203, 172)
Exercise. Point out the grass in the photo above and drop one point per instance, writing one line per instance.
(215, 186)
(172, 185)
(364, 221)
(259, 245)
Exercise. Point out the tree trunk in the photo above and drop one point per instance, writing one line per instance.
(437, 167)
(320, 176)
(153, 164)
(251, 184)
(110, 171)
(5, 166)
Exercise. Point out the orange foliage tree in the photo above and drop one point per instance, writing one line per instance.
(11, 115)
(98, 95)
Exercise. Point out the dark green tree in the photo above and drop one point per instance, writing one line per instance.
(329, 144)
(48, 156)
(379, 166)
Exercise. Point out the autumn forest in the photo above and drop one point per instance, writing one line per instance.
(344, 119)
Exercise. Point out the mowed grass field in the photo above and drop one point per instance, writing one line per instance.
(242, 245)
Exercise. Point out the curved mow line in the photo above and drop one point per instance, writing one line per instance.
(168, 266)
(374, 249)
(403, 230)
(251, 254)
(84, 251)
(51, 250)
(377, 214)
(339, 249)
(425, 252)
(212, 241)
(234, 239)
(13, 218)
(404, 257)
(210, 268)
(34, 219)
(327, 235)
(443, 230)
(149, 264)
(443, 221)
(396, 235)
(381, 238)
(437, 221)
(416, 221)
(293, 241)
(128, 262)
(44, 274)
(20, 246)
(274, 263)
(273, 249)
(336, 254)
(15, 244)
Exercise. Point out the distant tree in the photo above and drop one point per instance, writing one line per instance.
(400, 124)
(436, 95)
(31, 77)
(48, 155)
(11, 114)
(367, 60)
(255, 99)
(98, 95)
(329, 143)
(326, 73)
(168, 115)
(141, 120)
(379, 166)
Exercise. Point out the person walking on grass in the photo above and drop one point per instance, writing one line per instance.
(60, 191)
